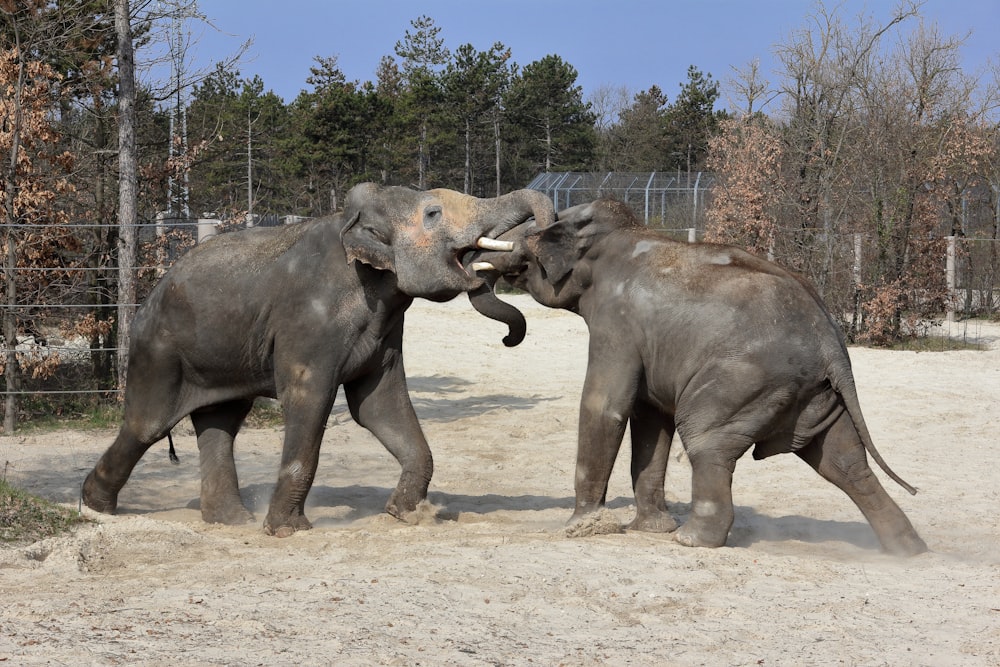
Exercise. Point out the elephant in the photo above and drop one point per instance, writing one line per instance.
(727, 349)
(293, 313)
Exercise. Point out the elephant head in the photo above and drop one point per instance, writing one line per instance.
(421, 236)
(548, 261)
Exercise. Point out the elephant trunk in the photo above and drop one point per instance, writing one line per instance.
(485, 300)
(510, 210)
(505, 213)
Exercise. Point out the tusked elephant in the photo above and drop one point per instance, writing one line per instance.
(294, 313)
(728, 349)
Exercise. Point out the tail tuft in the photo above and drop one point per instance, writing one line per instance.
(171, 451)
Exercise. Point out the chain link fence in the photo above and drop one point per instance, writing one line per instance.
(667, 200)
(77, 366)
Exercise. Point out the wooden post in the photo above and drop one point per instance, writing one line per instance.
(857, 260)
(950, 277)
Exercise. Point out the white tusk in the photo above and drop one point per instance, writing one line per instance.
(483, 266)
(493, 244)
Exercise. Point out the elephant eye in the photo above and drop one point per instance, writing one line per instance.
(376, 234)
(432, 215)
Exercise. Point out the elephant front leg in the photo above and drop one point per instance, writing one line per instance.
(216, 428)
(607, 402)
(652, 432)
(286, 515)
(380, 403)
(306, 410)
(713, 457)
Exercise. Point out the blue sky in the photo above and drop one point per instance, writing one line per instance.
(629, 43)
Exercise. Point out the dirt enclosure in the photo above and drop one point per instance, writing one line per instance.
(489, 575)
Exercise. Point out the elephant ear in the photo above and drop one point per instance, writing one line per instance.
(365, 243)
(559, 246)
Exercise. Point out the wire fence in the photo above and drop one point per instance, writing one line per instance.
(79, 366)
(661, 199)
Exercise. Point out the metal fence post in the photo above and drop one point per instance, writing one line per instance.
(649, 184)
(694, 198)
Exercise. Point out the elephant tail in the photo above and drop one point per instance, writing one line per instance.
(171, 452)
(843, 383)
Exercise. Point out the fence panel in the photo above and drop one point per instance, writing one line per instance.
(977, 277)
(659, 199)
(76, 364)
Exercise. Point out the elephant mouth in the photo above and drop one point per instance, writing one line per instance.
(489, 244)
(465, 258)
(478, 259)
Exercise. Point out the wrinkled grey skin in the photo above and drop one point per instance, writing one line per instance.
(294, 313)
(729, 350)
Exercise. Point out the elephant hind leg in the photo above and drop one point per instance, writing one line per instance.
(839, 457)
(100, 488)
(216, 427)
(713, 455)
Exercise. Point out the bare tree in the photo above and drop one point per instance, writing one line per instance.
(32, 179)
(821, 69)
(607, 102)
(751, 93)
(162, 21)
(917, 146)
(127, 184)
(881, 140)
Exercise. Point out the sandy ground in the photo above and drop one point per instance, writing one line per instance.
(494, 579)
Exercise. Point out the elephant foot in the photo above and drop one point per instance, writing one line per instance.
(905, 544)
(399, 509)
(97, 498)
(230, 514)
(653, 522)
(601, 521)
(700, 533)
(405, 498)
(584, 511)
(286, 527)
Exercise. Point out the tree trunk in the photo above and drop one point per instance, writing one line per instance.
(10, 184)
(100, 281)
(496, 138)
(468, 156)
(10, 338)
(548, 147)
(127, 188)
(422, 158)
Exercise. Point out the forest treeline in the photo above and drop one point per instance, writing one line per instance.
(869, 141)
(469, 120)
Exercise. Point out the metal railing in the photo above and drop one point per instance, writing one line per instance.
(660, 198)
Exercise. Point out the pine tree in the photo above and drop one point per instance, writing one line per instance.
(552, 129)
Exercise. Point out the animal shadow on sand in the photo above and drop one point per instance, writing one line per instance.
(751, 527)
(162, 488)
(445, 398)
